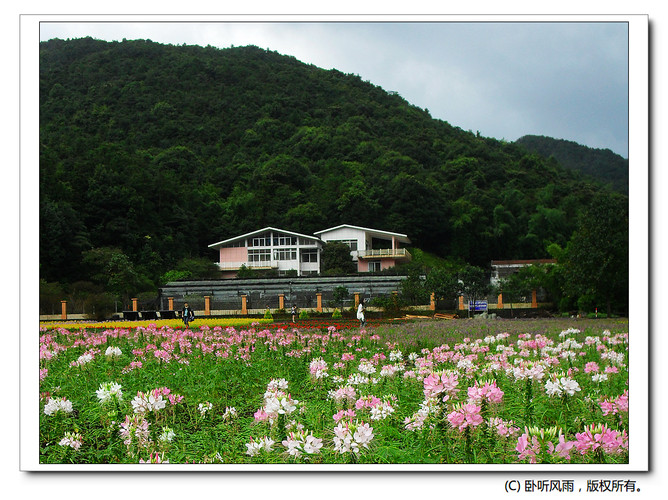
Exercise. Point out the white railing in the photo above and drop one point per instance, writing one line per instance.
(266, 264)
(384, 252)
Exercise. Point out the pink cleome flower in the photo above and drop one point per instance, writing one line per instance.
(466, 416)
(600, 436)
(590, 367)
(488, 391)
(528, 449)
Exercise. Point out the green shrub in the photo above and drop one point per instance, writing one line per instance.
(101, 305)
(392, 304)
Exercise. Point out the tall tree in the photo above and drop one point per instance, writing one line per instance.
(475, 282)
(111, 268)
(597, 256)
(518, 285)
(444, 284)
(336, 259)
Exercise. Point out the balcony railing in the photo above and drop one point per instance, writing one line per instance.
(396, 253)
(233, 266)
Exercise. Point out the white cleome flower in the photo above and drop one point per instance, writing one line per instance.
(109, 390)
(55, 405)
(113, 351)
(553, 388)
(570, 386)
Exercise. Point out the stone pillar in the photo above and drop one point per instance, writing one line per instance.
(534, 302)
(63, 309)
(499, 302)
(357, 300)
(281, 301)
(432, 301)
(134, 303)
(207, 305)
(171, 303)
(244, 309)
(319, 301)
(461, 303)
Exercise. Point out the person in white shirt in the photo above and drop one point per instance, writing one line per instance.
(360, 314)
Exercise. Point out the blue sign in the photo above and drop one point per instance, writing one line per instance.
(478, 305)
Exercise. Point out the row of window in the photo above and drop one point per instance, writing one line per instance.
(282, 254)
(266, 240)
(351, 243)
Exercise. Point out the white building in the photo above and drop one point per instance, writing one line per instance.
(372, 249)
(501, 269)
(271, 248)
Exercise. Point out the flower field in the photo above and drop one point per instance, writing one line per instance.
(173, 323)
(452, 392)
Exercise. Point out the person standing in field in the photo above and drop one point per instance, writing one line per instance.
(293, 311)
(360, 314)
(187, 314)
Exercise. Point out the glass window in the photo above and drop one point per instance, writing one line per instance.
(285, 254)
(310, 256)
(259, 255)
(284, 241)
(264, 240)
(351, 243)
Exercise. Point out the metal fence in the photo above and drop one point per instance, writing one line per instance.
(264, 293)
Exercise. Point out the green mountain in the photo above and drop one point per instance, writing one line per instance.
(600, 164)
(160, 150)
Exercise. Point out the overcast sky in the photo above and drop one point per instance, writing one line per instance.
(503, 79)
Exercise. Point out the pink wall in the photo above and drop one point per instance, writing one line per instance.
(236, 254)
(387, 263)
(363, 265)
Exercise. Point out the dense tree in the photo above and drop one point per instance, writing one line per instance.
(413, 289)
(445, 285)
(63, 237)
(111, 268)
(475, 283)
(196, 268)
(50, 296)
(336, 259)
(339, 295)
(601, 164)
(160, 150)
(596, 258)
(517, 286)
(551, 279)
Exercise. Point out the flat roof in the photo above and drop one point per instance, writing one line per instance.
(259, 231)
(378, 232)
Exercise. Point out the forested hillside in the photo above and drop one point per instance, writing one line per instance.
(601, 164)
(160, 150)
